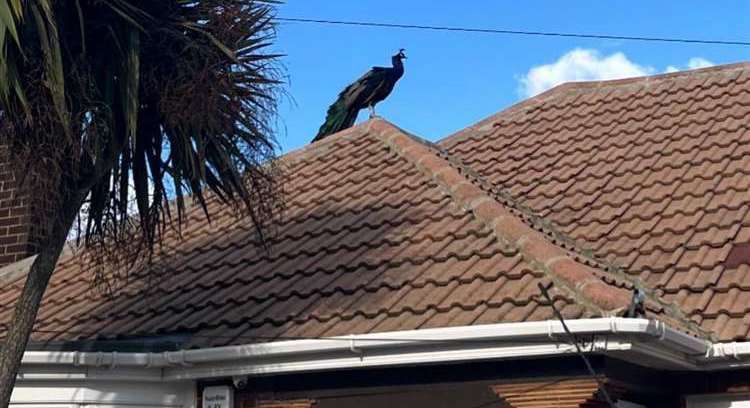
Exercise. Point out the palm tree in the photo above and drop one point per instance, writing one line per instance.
(103, 101)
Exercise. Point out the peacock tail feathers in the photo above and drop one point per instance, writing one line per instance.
(339, 117)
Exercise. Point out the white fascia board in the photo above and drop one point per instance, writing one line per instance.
(64, 372)
(429, 346)
(110, 394)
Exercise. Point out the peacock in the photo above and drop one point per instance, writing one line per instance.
(366, 92)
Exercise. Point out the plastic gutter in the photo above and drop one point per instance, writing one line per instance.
(657, 344)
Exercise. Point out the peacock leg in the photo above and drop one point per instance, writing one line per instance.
(372, 111)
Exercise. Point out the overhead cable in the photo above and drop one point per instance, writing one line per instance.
(499, 31)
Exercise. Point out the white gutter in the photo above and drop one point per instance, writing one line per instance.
(734, 355)
(661, 344)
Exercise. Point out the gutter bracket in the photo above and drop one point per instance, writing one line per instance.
(663, 334)
(550, 330)
(613, 324)
(182, 362)
(353, 348)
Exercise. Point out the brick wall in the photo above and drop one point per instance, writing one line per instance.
(18, 231)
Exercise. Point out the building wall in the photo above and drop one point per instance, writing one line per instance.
(19, 232)
(105, 394)
(434, 396)
(454, 385)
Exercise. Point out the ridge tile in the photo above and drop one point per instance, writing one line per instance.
(647, 174)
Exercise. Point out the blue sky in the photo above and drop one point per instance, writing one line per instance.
(453, 80)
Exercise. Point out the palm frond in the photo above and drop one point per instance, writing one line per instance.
(140, 105)
(49, 41)
(11, 14)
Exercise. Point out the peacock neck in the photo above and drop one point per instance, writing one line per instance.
(398, 66)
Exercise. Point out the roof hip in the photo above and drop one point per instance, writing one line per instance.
(508, 228)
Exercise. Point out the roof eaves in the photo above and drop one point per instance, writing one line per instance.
(654, 341)
(507, 226)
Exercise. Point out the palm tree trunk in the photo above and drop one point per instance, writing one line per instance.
(28, 303)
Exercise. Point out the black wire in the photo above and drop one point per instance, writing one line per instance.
(574, 340)
(514, 32)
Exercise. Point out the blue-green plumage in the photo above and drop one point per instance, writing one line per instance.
(367, 91)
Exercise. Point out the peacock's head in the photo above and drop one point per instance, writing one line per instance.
(400, 55)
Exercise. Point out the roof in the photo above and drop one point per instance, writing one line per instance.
(382, 232)
(597, 187)
(650, 175)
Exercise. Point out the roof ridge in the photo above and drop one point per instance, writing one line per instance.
(547, 230)
(521, 210)
(507, 225)
(721, 68)
(573, 86)
(583, 255)
(321, 146)
(568, 243)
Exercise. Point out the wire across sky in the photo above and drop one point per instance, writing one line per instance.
(515, 32)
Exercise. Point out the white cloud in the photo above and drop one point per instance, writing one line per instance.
(582, 64)
(693, 63)
(698, 62)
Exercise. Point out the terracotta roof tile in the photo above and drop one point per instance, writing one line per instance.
(597, 187)
(649, 174)
(383, 232)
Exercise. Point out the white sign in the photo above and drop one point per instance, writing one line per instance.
(218, 397)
